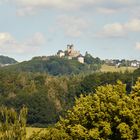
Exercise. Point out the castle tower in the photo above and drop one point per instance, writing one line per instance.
(70, 48)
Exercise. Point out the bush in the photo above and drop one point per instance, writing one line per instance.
(12, 125)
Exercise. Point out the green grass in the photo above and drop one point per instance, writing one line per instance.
(106, 68)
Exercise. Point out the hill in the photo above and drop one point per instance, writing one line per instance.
(52, 65)
(7, 60)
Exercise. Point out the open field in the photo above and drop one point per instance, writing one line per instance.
(106, 68)
(30, 130)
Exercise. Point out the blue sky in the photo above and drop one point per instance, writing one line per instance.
(105, 28)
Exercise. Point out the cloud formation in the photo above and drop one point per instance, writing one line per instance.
(133, 25)
(137, 45)
(37, 39)
(112, 30)
(119, 29)
(63, 4)
(30, 7)
(8, 44)
(72, 26)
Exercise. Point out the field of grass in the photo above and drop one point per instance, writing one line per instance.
(30, 130)
(106, 68)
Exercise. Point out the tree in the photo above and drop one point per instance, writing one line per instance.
(109, 114)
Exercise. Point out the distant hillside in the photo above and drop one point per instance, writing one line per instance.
(52, 65)
(7, 60)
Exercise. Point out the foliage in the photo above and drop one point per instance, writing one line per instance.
(31, 130)
(137, 72)
(89, 59)
(50, 134)
(93, 63)
(92, 81)
(12, 125)
(47, 96)
(109, 114)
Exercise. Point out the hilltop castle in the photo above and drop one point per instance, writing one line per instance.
(71, 53)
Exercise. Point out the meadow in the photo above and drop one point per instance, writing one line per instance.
(31, 130)
(106, 68)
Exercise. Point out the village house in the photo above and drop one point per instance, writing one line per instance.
(135, 63)
(81, 58)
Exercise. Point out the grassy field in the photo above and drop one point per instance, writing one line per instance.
(106, 68)
(30, 130)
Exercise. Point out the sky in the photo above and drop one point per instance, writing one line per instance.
(109, 29)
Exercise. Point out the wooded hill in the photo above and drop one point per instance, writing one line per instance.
(56, 66)
(7, 60)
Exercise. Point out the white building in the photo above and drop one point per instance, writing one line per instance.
(80, 59)
(61, 53)
(135, 64)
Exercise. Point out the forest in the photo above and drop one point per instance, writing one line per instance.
(47, 97)
(107, 112)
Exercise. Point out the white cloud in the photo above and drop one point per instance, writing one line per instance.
(119, 6)
(6, 38)
(126, 2)
(112, 30)
(30, 7)
(56, 3)
(8, 44)
(133, 25)
(104, 10)
(137, 45)
(37, 39)
(25, 7)
(72, 26)
(119, 29)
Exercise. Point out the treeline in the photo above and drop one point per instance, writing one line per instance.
(47, 97)
(54, 65)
